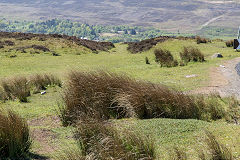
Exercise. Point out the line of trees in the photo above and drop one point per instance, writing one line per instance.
(122, 33)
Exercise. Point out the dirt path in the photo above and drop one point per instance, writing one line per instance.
(224, 80)
(212, 20)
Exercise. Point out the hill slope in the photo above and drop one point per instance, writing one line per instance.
(173, 15)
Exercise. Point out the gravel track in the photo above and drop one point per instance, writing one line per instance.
(231, 72)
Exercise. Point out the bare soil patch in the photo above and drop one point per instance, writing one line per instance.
(223, 80)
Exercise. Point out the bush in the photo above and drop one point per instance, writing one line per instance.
(165, 58)
(41, 81)
(16, 87)
(144, 45)
(147, 60)
(15, 140)
(102, 141)
(229, 43)
(191, 54)
(201, 40)
(102, 95)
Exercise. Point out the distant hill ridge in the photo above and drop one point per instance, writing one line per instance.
(171, 15)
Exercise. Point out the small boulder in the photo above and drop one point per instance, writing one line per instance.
(217, 55)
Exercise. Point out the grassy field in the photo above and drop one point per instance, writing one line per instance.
(50, 137)
(118, 60)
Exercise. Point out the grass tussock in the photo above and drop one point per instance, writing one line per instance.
(42, 81)
(178, 154)
(216, 150)
(20, 87)
(229, 43)
(15, 140)
(102, 141)
(191, 54)
(16, 88)
(102, 95)
(165, 58)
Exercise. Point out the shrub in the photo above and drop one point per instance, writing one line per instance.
(165, 58)
(191, 54)
(229, 43)
(201, 40)
(144, 45)
(41, 81)
(15, 140)
(102, 141)
(16, 87)
(102, 95)
(147, 60)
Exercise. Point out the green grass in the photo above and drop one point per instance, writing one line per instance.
(185, 134)
(119, 60)
(166, 132)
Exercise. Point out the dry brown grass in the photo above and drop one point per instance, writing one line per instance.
(178, 154)
(42, 81)
(15, 140)
(102, 95)
(20, 87)
(16, 87)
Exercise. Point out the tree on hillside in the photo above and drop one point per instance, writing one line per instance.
(133, 32)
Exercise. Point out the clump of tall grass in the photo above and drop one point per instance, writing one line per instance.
(103, 141)
(42, 81)
(191, 54)
(20, 87)
(102, 95)
(16, 87)
(178, 154)
(165, 58)
(15, 140)
(229, 43)
(216, 150)
(92, 94)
